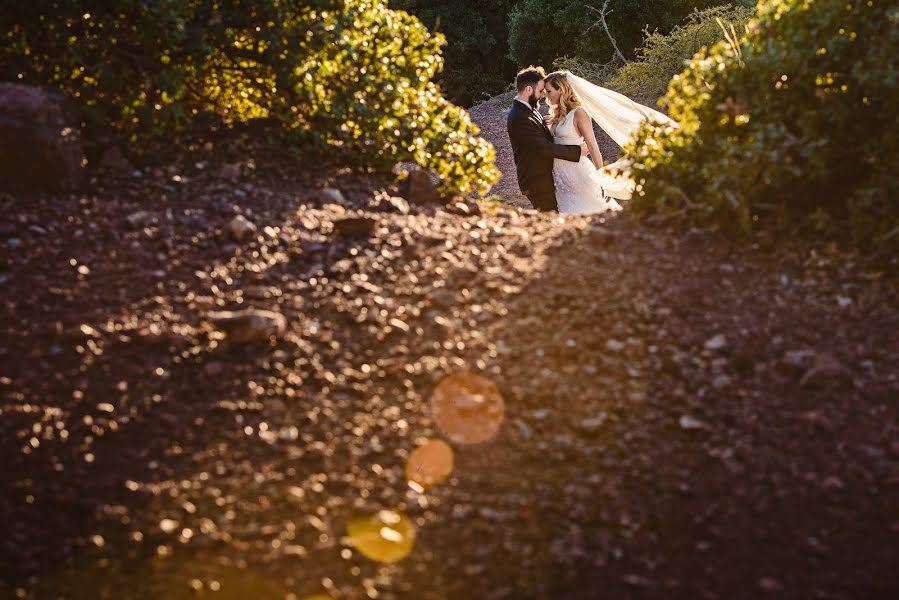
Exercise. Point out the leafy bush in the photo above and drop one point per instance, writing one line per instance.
(663, 56)
(796, 122)
(541, 31)
(350, 75)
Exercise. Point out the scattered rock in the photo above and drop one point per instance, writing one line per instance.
(213, 368)
(592, 424)
(464, 207)
(769, 584)
(799, 359)
(720, 382)
(688, 422)
(332, 195)
(826, 369)
(420, 188)
(154, 335)
(355, 227)
(717, 342)
(384, 202)
(240, 227)
(40, 143)
(114, 161)
(250, 325)
(230, 171)
(615, 345)
(140, 219)
(262, 292)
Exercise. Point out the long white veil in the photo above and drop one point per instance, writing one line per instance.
(620, 117)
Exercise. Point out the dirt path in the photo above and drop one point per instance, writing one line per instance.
(682, 419)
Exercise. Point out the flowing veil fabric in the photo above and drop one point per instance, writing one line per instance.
(620, 117)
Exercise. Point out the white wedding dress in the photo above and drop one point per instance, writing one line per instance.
(578, 191)
(580, 188)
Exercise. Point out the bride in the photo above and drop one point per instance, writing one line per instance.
(587, 187)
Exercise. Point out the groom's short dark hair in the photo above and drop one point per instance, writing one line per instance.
(530, 76)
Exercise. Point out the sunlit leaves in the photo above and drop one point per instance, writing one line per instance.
(795, 125)
(352, 76)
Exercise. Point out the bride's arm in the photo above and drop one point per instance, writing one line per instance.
(585, 127)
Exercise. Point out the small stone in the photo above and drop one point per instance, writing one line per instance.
(833, 483)
(717, 342)
(799, 359)
(387, 203)
(240, 227)
(332, 195)
(140, 218)
(688, 422)
(615, 345)
(421, 189)
(825, 369)
(113, 160)
(769, 584)
(720, 382)
(230, 171)
(250, 325)
(592, 424)
(464, 208)
(355, 227)
(262, 292)
(214, 368)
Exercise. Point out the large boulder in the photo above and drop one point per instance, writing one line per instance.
(40, 143)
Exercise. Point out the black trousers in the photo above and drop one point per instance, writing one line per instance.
(545, 201)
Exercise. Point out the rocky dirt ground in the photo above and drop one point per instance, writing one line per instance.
(631, 411)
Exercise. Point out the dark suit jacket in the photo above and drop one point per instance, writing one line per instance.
(534, 150)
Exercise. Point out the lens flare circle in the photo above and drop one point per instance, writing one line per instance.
(468, 408)
(430, 463)
(387, 536)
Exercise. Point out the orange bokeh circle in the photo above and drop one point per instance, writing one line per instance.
(468, 408)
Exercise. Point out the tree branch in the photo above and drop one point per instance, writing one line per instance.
(602, 21)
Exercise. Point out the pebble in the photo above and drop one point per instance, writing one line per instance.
(240, 227)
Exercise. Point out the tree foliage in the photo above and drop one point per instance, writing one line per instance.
(663, 56)
(351, 75)
(798, 122)
(540, 31)
(477, 61)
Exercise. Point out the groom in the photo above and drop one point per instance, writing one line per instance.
(532, 142)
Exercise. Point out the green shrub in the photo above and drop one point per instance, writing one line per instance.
(663, 56)
(351, 76)
(796, 122)
(540, 31)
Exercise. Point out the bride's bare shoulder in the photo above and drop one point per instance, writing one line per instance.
(580, 115)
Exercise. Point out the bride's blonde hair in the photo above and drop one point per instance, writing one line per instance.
(568, 101)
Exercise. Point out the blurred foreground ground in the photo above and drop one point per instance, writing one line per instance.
(680, 418)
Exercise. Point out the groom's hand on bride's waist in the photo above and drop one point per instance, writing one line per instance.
(584, 149)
